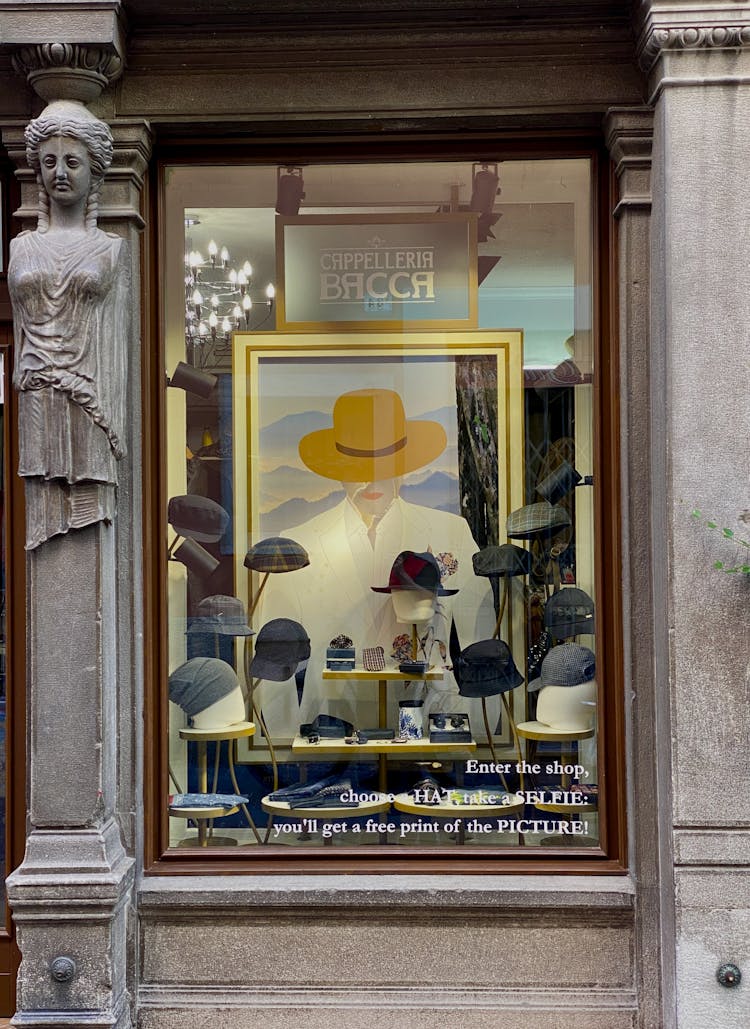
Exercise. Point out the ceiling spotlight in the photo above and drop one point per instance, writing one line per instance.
(192, 380)
(290, 190)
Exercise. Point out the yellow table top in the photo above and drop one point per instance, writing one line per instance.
(540, 731)
(565, 809)
(448, 809)
(386, 675)
(407, 749)
(365, 807)
(226, 732)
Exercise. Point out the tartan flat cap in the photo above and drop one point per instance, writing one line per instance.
(542, 519)
(276, 554)
(506, 560)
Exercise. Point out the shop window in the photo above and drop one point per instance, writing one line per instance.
(384, 610)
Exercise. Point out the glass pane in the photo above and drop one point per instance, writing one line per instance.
(381, 536)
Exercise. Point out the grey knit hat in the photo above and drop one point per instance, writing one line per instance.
(200, 682)
(568, 664)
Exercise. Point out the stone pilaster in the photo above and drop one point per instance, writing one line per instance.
(628, 134)
(698, 60)
(72, 897)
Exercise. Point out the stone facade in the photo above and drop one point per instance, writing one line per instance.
(666, 86)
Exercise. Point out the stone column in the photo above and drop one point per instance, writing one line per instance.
(697, 57)
(628, 133)
(72, 897)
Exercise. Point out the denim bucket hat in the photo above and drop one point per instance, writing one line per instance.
(222, 615)
(486, 669)
(567, 664)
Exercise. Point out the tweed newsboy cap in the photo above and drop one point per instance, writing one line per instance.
(567, 664)
(542, 519)
(506, 560)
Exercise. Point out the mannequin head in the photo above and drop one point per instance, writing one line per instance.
(567, 707)
(413, 606)
(227, 711)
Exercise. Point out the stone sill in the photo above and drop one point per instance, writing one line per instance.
(386, 891)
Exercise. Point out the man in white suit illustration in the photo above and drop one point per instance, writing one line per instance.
(369, 448)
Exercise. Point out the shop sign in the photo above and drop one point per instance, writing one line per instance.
(397, 272)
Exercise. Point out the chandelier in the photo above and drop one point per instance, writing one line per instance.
(218, 302)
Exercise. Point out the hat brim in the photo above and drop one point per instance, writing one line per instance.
(424, 442)
(488, 690)
(562, 630)
(439, 592)
(270, 671)
(193, 534)
(214, 627)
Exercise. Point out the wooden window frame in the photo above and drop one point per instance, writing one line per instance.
(611, 857)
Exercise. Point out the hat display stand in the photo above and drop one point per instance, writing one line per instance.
(536, 732)
(205, 817)
(506, 806)
(504, 604)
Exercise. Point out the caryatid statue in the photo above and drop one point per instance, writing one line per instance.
(69, 287)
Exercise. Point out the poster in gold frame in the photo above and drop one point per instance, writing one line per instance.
(285, 389)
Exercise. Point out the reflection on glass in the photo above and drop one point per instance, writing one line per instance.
(401, 583)
(3, 623)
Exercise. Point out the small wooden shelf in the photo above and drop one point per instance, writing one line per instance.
(409, 749)
(540, 731)
(237, 731)
(386, 675)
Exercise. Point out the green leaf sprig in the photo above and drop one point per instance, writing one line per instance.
(729, 534)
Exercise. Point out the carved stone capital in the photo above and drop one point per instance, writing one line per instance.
(68, 71)
(690, 27)
(67, 49)
(629, 135)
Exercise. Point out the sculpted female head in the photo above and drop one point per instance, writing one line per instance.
(86, 155)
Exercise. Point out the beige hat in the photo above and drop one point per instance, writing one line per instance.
(371, 439)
